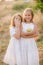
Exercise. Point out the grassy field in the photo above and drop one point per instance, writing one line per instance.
(7, 9)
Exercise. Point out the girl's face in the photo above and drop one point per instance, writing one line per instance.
(17, 20)
(28, 16)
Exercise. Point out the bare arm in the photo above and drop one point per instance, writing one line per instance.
(17, 34)
(32, 34)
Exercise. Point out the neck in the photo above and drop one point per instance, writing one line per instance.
(28, 22)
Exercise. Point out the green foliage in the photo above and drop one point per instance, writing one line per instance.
(39, 6)
(39, 1)
(19, 7)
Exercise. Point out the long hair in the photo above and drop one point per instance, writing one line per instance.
(28, 9)
(13, 17)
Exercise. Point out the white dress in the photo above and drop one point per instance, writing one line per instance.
(13, 51)
(23, 51)
(29, 50)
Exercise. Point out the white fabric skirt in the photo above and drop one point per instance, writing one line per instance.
(22, 52)
(29, 51)
(12, 55)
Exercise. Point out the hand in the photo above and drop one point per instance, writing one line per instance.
(17, 36)
(17, 23)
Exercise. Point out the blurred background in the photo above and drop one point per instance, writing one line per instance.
(10, 7)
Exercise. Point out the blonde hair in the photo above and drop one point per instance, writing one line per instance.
(28, 9)
(13, 17)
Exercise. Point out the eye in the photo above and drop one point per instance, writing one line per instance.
(16, 18)
(25, 15)
(28, 15)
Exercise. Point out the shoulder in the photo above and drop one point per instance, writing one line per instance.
(12, 28)
(34, 23)
(35, 26)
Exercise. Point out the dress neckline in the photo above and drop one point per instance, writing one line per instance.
(27, 23)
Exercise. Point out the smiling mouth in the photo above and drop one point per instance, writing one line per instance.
(27, 18)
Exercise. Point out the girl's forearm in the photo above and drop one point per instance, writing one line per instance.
(17, 34)
(28, 34)
(18, 31)
(35, 35)
(31, 36)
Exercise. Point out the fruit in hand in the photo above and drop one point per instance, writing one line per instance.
(29, 30)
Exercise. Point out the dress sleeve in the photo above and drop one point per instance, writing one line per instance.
(12, 31)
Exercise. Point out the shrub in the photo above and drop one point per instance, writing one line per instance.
(39, 6)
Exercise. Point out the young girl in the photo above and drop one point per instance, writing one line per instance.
(13, 56)
(29, 51)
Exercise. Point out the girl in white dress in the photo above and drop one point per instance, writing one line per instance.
(29, 50)
(12, 55)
